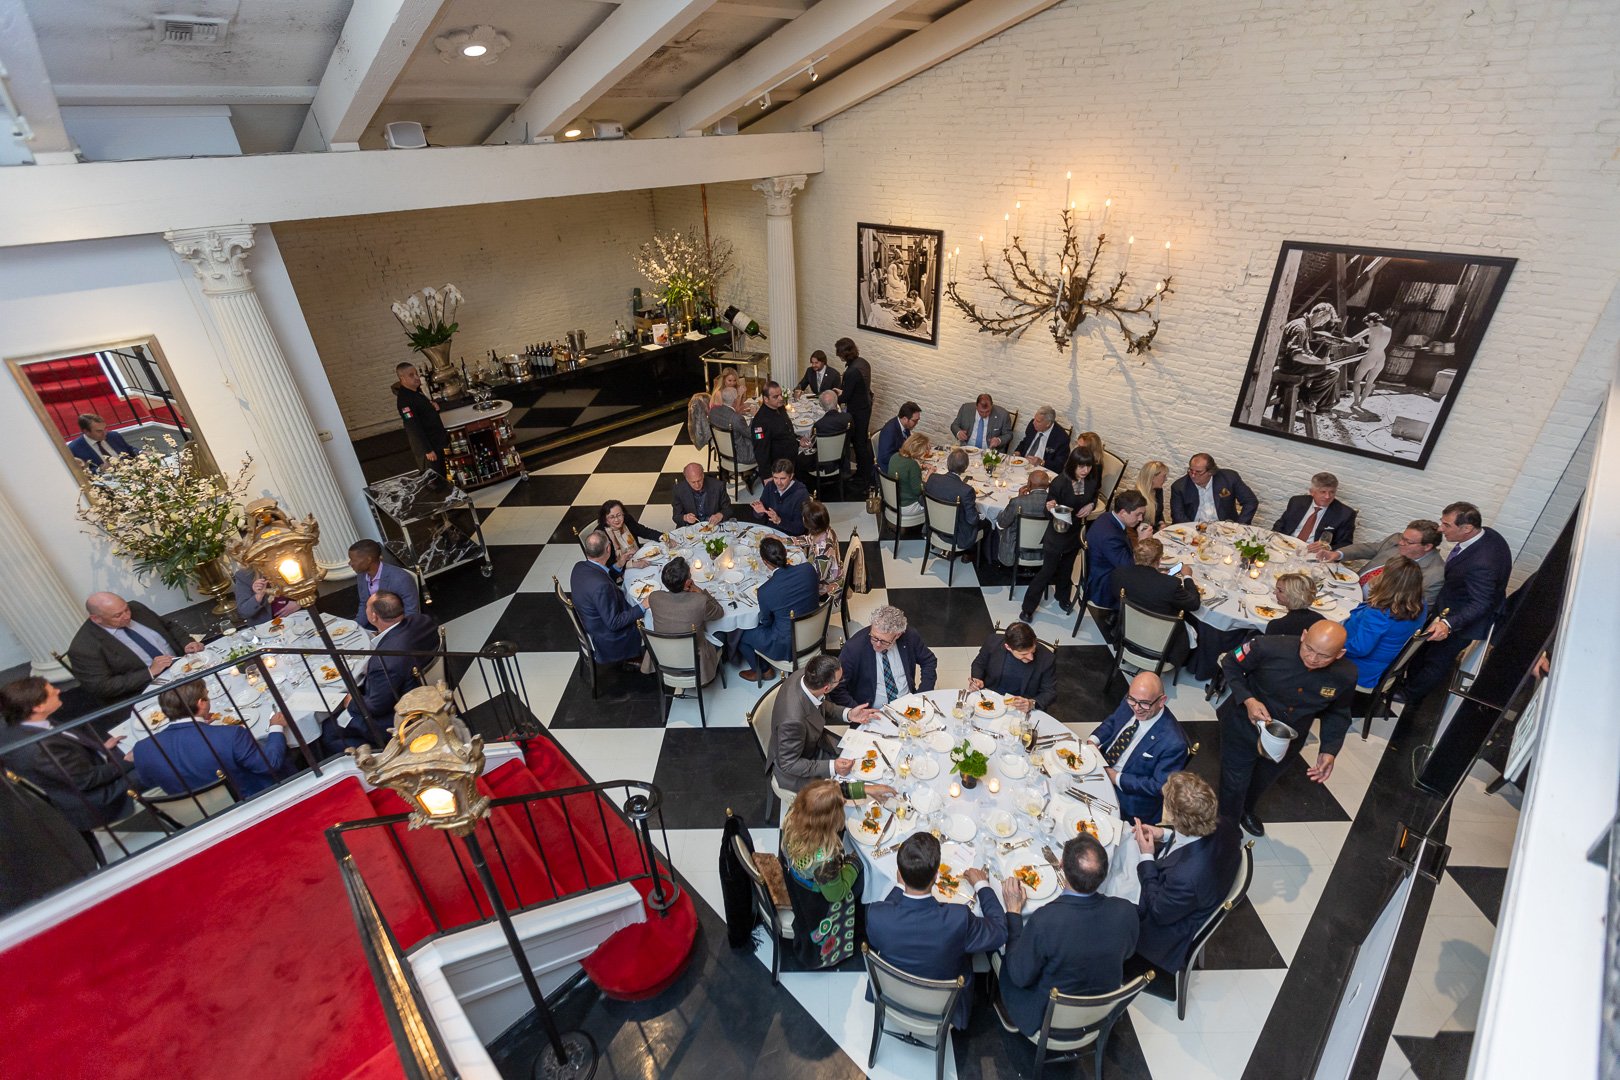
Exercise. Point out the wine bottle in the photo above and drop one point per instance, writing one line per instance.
(743, 322)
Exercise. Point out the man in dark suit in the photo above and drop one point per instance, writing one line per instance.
(695, 500)
(1211, 493)
(818, 376)
(1077, 944)
(1013, 663)
(1108, 545)
(419, 414)
(1045, 440)
(801, 749)
(829, 425)
(1142, 744)
(772, 430)
(781, 502)
(916, 933)
(608, 618)
(1471, 597)
(123, 646)
(982, 423)
(372, 575)
(1187, 868)
(386, 678)
(95, 444)
(1418, 542)
(1155, 591)
(856, 394)
(790, 590)
(80, 776)
(895, 433)
(1319, 518)
(190, 751)
(949, 487)
(884, 660)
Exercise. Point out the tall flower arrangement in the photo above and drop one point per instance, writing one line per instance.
(429, 316)
(163, 513)
(683, 266)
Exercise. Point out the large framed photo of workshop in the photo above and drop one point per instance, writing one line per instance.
(897, 281)
(1364, 349)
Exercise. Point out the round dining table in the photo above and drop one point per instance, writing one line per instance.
(1026, 805)
(802, 413)
(993, 490)
(1235, 597)
(733, 577)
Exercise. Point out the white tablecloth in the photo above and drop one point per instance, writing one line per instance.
(309, 699)
(1231, 598)
(994, 492)
(978, 803)
(735, 587)
(802, 413)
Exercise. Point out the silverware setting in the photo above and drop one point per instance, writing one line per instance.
(1052, 860)
(1090, 800)
(1015, 845)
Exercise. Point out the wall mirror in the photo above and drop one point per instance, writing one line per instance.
(128, 384)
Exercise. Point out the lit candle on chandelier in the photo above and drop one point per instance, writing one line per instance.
(956, 264)
(982, 256)
(1068, 177)
(1107, 206)
(1006, 229)
(1129, 244)
(1167, 258)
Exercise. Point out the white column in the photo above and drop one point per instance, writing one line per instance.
(275, 411)
(783, 280)
(34, 604)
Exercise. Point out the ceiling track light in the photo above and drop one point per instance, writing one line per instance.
(809, 68)
(765, 101)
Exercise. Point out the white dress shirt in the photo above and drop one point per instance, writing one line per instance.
(1037, 449)
(1206, 502)
(902, 685)
(126, 635)
(832, 766)
(1142, 730)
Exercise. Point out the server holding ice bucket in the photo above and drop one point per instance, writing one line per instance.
(1279, 685)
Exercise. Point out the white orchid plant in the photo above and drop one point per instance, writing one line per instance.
(163, 513)
(683, 266)
(429, 316)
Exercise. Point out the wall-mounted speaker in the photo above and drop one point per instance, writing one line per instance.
(405, 135)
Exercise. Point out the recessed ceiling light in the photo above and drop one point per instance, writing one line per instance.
(572, 133)
(482, 45)
(474, 50)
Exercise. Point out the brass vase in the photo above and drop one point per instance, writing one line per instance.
(214, 579)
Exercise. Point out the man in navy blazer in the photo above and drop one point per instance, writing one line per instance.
(95, 443)
(608, 618)
(781, 501)
(888, 641)
(1143, 743)
(1470, 599)
(949, 487)
(1109, 545)
(1211, 493)
(1045, 439)
(386, 678)
(916, 933)
(189, 752)
(895, 432)
(1309, 517)
(372, 575)
(1076, 944)
(1187, 868)
(790, 590)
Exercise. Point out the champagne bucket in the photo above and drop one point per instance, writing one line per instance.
(576, 341)
(1062, 519)
(1274, 739)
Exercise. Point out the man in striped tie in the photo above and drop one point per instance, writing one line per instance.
(1142, 744)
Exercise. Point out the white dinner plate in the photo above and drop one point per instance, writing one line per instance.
(1018, 461)
(732, 576)
(1045, 875)
(940, 742)
(924, 768)
(925, 800)
(959, 827)
(1091, 759)
(868, 769)
(1108, 828)
(1324, 603)
(981, 742)
(1267, 611)
(1012, 764)
(986, 704)
(1001, 824)
(641, 590)
(341, 632)
(856, 823)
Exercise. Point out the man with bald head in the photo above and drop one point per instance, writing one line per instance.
(1292, 680)
(696, 500)
(1142, 743)
(123, 646)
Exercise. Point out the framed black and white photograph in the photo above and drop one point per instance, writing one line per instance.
(897, 281)
(1364, 349)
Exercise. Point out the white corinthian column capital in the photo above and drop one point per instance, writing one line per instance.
(779, 192)
(218, 255)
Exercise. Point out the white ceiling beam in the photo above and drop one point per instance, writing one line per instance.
(111, 94)
(132, 198)
(956, 32)
(787, 10)
(632, 33)
(829, 25)
(424, 93)
(31, 91)
(377, 40)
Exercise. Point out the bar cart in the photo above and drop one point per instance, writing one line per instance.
(429, 525)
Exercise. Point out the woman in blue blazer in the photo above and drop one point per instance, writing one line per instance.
(1392, 613)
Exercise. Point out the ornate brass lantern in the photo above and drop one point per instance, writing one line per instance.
(432, 762)
(282, 551)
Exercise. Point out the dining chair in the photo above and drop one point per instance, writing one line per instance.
(919, 1010)
(830, 461)
(435, 669)
(1145, 639)
(1234, 896)
(587, 650)
(809, 638)
(854, 563)
(678, 660)
(1113, 470)
(1028, 554)
(780, 920)
(940, 536)
(1013, 420)
(725, 451)
(1081, 581)
(902, 517)
(759, 719)
(1073, 1023)
(190, 807)
(1380, 694)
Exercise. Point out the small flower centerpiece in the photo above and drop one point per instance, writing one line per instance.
(714, 546)
(992, 461)
(169, 518)
(1250, 551)
(968, 763)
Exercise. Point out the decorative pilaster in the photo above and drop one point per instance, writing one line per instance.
(34, 604)
(780, 273)
(275, 411)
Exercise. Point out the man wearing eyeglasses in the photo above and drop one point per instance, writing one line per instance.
(1417, 542)
(1142, 743)
(884, 661)
(1291, 680)
(1211, 493)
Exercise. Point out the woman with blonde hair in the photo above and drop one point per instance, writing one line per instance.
(1391, 614)
(907, 469)
(1296, 593)
(728, 377)
(822, 876)
(1150, 482)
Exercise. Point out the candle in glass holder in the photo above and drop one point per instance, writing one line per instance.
(992, 785)
(730, 562)
(697, 564)
(955, 789)
(1254, 572)
(1227, 560)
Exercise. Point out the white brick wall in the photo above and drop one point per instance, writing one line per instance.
(1229, 126)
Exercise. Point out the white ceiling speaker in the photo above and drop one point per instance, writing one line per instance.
(726, 125)
(189, 29)
(405, 135)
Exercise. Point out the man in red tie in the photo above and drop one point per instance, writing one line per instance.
(1319, 518)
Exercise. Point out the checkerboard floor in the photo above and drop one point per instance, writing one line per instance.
(530, 525)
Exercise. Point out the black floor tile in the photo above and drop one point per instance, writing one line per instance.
(1088, 686)
(702, 773)
(871, 552)
(1484, 885)
(545, 491)
(665, 487)
(1241, 944)
(641, 459)
(625, 699)
(1444, 1057)
(1294, 796)
(465, 588)
(536, 622)
(543, 416)
(576, 521)
(946, 618)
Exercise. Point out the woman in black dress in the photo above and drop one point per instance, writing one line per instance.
(1075, 489)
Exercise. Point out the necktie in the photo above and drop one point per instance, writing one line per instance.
(889, 688)
(1307, 530)
(1117, 748)
(104, 450)
(141, 643)
(978, 433)
(1452, 554)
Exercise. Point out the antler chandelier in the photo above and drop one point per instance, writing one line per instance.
(1067, 297)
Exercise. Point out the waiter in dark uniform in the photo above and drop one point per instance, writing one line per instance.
(856, 394)
(1291, 679)
(420, 415)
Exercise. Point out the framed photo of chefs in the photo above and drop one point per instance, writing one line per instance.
(1364, 349)
(897, 281)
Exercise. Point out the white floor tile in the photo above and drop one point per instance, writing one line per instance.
(492, 495)
(469, 632)
(557, 560)
(1394, 1066)
(849, 1017)
(631, 488)
(619, 754)
(907, 572)
(544, 677)
(1219, 1001)
(1481, 843)
(522, 524)
(1228, 1052)
(1291, 843)
(1286, 932)
(1455, 943)
(1181, 1056)
(664, 436)
(1421, 1013)
(580, 465)
(682, 456)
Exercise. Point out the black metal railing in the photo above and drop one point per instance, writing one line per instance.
(99, 791)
